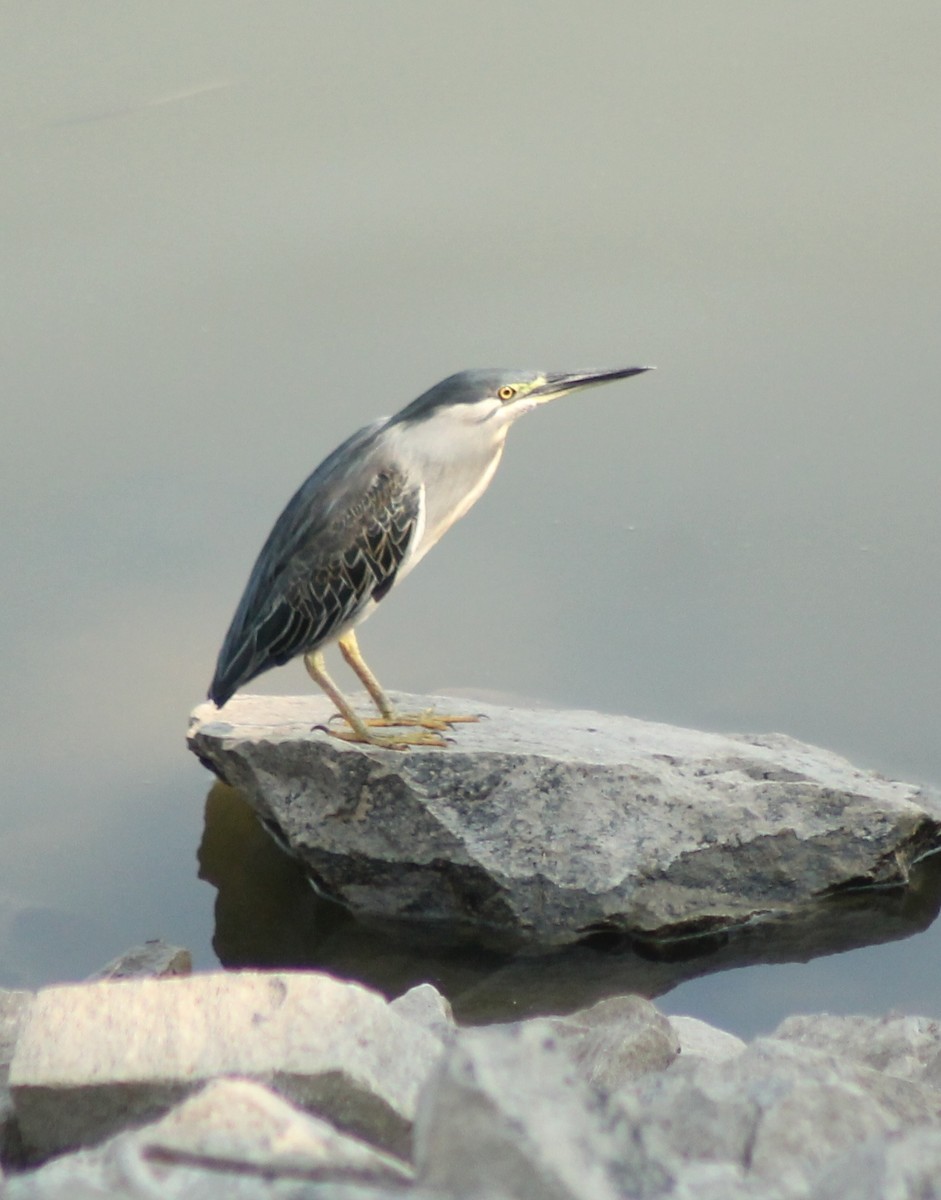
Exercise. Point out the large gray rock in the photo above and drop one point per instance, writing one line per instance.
(265, 912)
(541, 826)
(92, 1058)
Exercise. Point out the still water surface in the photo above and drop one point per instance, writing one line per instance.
(235, 234)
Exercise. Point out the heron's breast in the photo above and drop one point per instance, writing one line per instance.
(449, 493)
(454, 464)
(452, 492)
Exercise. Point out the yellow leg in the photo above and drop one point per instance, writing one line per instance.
(358, 731)
(349, 648)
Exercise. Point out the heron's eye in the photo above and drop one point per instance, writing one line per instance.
(506, 392)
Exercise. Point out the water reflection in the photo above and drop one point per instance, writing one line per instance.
(268, 916)
(208, 286)
(40, 942)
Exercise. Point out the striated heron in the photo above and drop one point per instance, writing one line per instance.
(361, 522)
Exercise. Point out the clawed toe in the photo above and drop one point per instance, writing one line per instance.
(429, 719)
(428, 728)
(392, 741)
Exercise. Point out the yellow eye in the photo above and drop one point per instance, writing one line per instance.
(506, 392)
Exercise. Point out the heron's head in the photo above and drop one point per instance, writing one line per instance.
(498, 396)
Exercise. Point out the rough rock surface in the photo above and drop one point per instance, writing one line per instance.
(594, 1106)
(92, 1057)
(905, 1167)
(541, 826)
(906, 1047)
(777, 1110)
(508, 1113)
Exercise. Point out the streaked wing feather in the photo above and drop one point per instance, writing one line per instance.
(339, 543)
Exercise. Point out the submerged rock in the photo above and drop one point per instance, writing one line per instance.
(542, 827)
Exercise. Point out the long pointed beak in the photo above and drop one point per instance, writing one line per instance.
(558, 385)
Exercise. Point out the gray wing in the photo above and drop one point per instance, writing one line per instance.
(338, 544)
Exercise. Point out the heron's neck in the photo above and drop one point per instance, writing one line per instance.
(455, 466)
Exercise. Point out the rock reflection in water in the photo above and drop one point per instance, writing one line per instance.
(267, 915)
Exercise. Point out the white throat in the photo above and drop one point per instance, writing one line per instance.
(453, 454)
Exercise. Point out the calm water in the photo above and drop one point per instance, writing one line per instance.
(232, 235)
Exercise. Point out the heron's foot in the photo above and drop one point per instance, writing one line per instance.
(389, 741)
(427, 719)
(428, 726)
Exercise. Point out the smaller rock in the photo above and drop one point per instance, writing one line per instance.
(151, 960)
(234, 1124)
(616, 1040)
(232, 1138)
(701, 1040)
(425, 1004)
